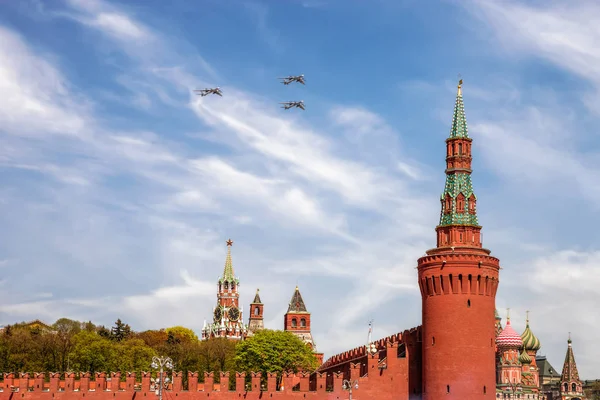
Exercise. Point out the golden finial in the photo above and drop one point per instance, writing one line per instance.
(508, 314)
(460, 82)
(527, 317)
(229, 242)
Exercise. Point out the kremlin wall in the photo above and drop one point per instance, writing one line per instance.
(460, 352)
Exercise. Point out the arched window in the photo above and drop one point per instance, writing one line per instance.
(447, 204)
(226, 285)
(447, 388)
(484, 390)
(460, 149)
(566, 387)
(302, 322)
(256, 311)
(294, 323)
(472, 202)
(460, 203)
(573, 387)
(232, 286)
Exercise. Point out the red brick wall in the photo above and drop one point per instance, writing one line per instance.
(392, 381)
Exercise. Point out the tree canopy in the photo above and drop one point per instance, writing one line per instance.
(69, 345)
(275, 352)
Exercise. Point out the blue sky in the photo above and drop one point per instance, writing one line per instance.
(120, 187)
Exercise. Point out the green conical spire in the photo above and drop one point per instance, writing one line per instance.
(459, 120)
(458, 180)
(228, 275)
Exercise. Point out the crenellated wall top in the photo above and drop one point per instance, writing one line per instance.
(358, 352)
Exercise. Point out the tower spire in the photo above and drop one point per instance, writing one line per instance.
(228, 274)
(458, 220)
(570, 382)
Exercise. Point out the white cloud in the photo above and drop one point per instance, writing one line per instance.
(39, 107)
(566, 36)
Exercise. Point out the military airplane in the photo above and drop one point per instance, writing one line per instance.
(290, 79)
(206, 92)
(290, 104)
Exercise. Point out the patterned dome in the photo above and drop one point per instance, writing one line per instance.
(524, 358)
(509, 338)
(530, 342)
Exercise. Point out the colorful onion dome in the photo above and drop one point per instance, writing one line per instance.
(530, 341)
(524, 357)
(509, 338)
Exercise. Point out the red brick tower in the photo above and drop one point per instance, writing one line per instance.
(458, 281)
(571, 387)
(297, 321)
(256, 321)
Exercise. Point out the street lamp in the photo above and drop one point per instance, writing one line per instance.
(161, 363)
(347, 385)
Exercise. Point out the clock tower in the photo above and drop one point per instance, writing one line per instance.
(227, 315)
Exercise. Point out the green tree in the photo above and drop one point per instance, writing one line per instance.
(217, 354)
(65, 329)
(131, 355)
(91, 352)
(275, 352)
(182, 333)
(120, 331)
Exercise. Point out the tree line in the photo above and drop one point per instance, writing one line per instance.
(69, 345)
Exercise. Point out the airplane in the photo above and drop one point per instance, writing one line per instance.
(290, 79)
(290, 104)
(206, 92)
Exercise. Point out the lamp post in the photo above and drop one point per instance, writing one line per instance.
(347, 385)
(161, 363)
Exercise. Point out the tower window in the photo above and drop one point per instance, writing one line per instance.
(447, 388)
(256, 311)
(303, 323)
(484, 390)
(433, 340)
(226, 285)
(460, 149)
(460, 203)
(232, 286)
(573, 387)
(294, 323)
(468, 303)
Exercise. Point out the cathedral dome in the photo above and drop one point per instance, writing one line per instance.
(524, 358)
(509, 338)
(530, 341)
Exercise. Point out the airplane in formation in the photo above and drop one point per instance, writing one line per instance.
(290, 79)
(290, 104)
(206, 92)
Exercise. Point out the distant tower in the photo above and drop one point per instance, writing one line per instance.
(297, 321)
(458, 281)
(509, 361)
(571, 387)
(227, 315)
(256, 322)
